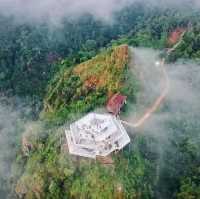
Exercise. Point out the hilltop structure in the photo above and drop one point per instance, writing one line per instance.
(96, 135)
(115, 103)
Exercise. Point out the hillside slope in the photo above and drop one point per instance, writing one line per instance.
(88, 85)
(48, 170)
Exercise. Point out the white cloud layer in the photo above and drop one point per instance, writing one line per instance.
(55, 10)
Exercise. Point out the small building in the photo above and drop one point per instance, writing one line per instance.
(115, 103)
(96, 135)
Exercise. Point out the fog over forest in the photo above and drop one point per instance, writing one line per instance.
(43, 41)
(54, 12)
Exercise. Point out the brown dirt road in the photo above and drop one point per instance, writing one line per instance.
(157, 103)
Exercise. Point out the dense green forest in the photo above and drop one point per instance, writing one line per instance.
(30, 52)
(46, 69)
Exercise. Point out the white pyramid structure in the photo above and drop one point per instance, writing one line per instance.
(96, 135)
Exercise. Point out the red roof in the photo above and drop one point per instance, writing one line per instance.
(115, 103)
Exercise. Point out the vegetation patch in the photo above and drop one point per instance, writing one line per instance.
(88, 85)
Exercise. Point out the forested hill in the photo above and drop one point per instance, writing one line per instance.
(71, 69)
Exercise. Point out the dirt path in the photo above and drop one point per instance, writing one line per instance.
(157, 103)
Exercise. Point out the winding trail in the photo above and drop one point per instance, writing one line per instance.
(162, 96)
(156, 104)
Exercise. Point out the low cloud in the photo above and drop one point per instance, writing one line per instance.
(176, 121)
(182, 101)
(13, 120)
(54, 11)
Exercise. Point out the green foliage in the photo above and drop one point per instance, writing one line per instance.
(95, 182)
(136, 169)
(84, 105)
(87, 86)
(50, 173)
(189, 47)
(37, 61)
(48, 170)
(190, 188)
(30, 52)
(131, 86)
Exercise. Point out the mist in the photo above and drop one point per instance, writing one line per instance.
(181, 104)
(15, 117)
(10, 130)
(54, 12)
(184, 80)
(176, 120)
